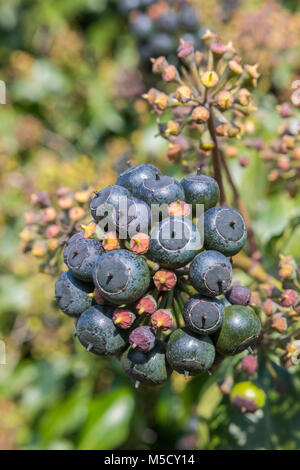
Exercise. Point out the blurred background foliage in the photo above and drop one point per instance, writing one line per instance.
(73, 117)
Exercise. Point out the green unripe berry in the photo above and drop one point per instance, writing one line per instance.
(247, 397)
(189, 354)
(240, 330)
(148, 368)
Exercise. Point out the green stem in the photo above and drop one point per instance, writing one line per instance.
(176, 311)
(188, 289)
(217, 164)
(170, 297)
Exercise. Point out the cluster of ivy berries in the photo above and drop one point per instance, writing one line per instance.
(50, 223)
(209, 97)
(158, 24)
(157, 299)
(283, 155)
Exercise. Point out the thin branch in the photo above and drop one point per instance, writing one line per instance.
(217, 163)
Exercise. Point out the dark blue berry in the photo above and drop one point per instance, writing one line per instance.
(70, 243)
(141, 25)
(211, 273)
(189, 354)
(161, 44)
(201, 189)
(97, 333)
(121, 276)
(149, 368)
(108, 198)
(126, 6)
(168, 23)
(188, 18)
(239, 295)
(240, 330)
(224, 230)
(161, 190)
(72, 295)
(135, 175)
(135, 217)
(203, 315)
(81, 256)
(174, 242)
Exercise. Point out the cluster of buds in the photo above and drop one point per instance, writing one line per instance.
(279, 301)
(283, 155)
(51, 221)
(209, 96)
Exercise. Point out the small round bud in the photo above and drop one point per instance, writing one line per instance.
(279, 323)
(288, 298)
(146, 305)
(142, 338)
(231, 151)
(82, 196)
(235, 67)
(159, 64)
(65, 202)
(89, 229)
(225, 99)
(48, 215)
(208, 35)
(165, 280)
(52, 231)
(185, 49)
(249, 364)
(244, 97)
(123, 318)
(110, 241)
(162, 320)
(218, 48)
(200, 115)
(76, 213)
(179, 209)
(169, 73)
(252, 70)
(209, 79)
(173, 128)
(140, 243)
(183, 94)
(161, 101)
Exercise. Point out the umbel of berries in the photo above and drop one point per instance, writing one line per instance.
(154, 297)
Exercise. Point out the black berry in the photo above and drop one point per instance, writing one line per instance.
(211, 273)
(161, 190)
(201, 189)
(81, 256)
(135, 175)
(72, 295)
(121, 276)
(97, 333)
(203, 315)
(224, 230)
(174, 242)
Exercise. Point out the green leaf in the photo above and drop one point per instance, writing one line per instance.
(108, 421)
